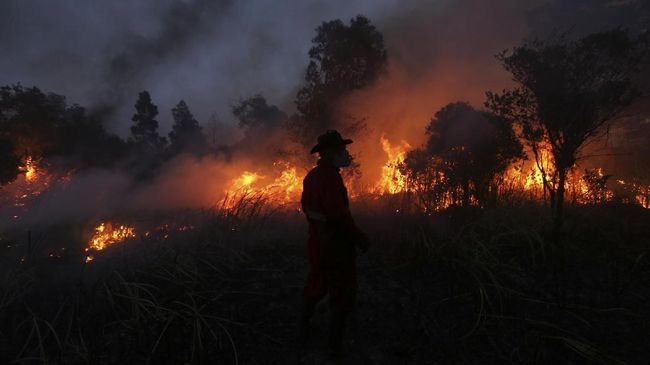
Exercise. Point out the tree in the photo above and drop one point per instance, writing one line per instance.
(343, 58)
(565, 91)
(9, 161)
(465, 150)
(255, 113)
(262, 125)
(145, 128)
(85, 138)
(596, 185)
(31, 118)
(42, 125)
(186, 134)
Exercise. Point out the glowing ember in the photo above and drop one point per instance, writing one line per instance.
(392, 180)
(106, 235)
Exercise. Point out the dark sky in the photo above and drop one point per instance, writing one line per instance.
(214, 52)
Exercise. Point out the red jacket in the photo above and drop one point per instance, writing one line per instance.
(325, 203)
(333, 236)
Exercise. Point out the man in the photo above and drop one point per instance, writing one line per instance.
(333, 236)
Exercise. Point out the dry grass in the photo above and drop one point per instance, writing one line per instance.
(458, 286)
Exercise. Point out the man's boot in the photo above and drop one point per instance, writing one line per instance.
(336, 332)
(309, 305)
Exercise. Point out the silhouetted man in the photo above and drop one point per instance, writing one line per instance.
(333, 236)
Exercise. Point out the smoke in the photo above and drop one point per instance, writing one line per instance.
(209, 53)
(443, 52)
(92, 195)
(214, 53)
(132, 57)
(438, 53)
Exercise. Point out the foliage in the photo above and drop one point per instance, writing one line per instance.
(565, 91)
(32, 118)
(43, 125)
(145, 128)
(186, 134)
(465, 151)
(256, 113)
(343, 58)
(9, 161)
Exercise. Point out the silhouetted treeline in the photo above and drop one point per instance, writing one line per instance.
(41, 125)
(565, 92)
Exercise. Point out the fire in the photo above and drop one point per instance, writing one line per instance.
(30, 169)
(35, 178)
(284, 188)
(106, 235)
(243, 184)
(392, 180)
(640, 194)
(289, 183)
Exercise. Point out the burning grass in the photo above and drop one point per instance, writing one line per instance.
(281, 190)
(106, 234)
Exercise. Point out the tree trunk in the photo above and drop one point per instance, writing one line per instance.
(558, 215)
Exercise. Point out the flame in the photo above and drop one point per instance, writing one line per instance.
(392, 181)
(30, 169)
(33, 181)
(640, 193)
(243, 184)
(284, 188)
(106, 235)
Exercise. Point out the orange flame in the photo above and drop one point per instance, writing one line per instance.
(284, 188)
(106, 235)
(30, 169)
(392, 180)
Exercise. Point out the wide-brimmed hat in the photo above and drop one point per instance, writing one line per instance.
(330, 139)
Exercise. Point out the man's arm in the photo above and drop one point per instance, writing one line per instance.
(337, 210)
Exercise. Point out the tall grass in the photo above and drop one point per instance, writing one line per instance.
(459, 286)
